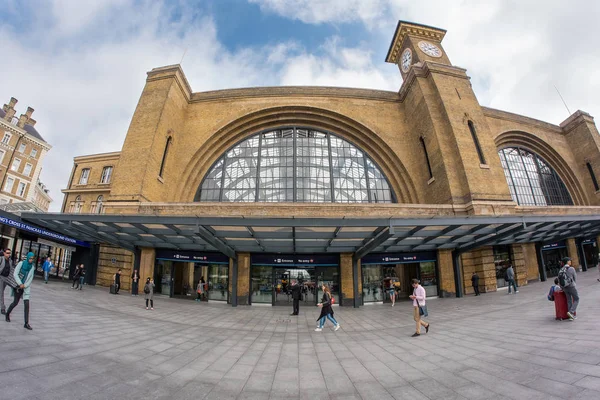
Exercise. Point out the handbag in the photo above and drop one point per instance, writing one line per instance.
(422, 309)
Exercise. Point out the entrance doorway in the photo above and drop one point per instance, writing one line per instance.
(271, 277)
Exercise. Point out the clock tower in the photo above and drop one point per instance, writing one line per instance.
(414, 43)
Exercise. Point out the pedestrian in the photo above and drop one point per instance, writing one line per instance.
(199, 290)
(149, 293)
(135, 282)
(326, 310)
(510, 279)
(296, 294)
(392, 291)
(7, 267)
(553, 289)
(23, 275)
(419, 307)
(205, 288)
(81, 276)
(75, 277)
(475, 283)
(117, 281)
(567, 279)
(47, 266)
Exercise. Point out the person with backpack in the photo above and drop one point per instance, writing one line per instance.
(567, 279)
(326, 310)
(7, 268)
(23, 275)
(149, 292)
(510, 279)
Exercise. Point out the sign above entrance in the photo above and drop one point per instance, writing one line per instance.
(398, 258)
(192, 256)
(296, 260)
(589, 241)
(556, 245)
(42, 232)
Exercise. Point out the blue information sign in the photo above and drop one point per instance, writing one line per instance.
(296, 260)
(556, 245)
(192, 256)
(42, 232)
(398, 258)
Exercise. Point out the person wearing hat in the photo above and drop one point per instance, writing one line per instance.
(23, 275)
(567, 278)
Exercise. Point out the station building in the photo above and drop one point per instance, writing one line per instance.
(250, 188)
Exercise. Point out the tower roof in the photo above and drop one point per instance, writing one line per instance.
(410, 28)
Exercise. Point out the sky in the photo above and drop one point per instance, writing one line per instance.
(82, 64)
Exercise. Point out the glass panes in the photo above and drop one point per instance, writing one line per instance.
(295, 165)
(531, 181)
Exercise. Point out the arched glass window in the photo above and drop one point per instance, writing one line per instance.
(99, 205)
(531, 180)
(77, 205)
(295, 165)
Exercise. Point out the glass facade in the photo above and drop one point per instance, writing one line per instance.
(180, 279)
(531, 180)
(295, 165)
(502, 260)
(377, 278)
(590, 252)
(61, 257)
(552, 258)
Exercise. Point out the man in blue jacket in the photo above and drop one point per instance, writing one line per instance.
(47, 267)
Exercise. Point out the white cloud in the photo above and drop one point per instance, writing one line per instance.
(82, 66)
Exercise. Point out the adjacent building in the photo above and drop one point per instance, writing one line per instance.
(250, 188)
(22, 152)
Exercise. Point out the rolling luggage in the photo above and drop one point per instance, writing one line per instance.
(113, 290)
(560, 305)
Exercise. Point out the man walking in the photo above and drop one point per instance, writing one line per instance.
(510, 279)
(475, 283)
(567, 278)
(117, 281)
(296, 293)
(47, 267)
(5, 262)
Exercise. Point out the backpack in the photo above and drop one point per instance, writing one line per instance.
(147, 289)
(564, 279)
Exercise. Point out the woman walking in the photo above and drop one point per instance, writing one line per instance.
(200, 290)
(76, 275)
(23, 275)
(135, 282)
(418, 298)
(149, 293)
(326, 310)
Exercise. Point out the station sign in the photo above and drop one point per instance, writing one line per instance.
(42, 232)
(192, 256)
(555, 245)
(296, 260)
(399, 258)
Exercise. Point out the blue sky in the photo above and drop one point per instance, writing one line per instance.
(82, 64)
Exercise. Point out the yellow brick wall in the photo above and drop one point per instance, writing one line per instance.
(482, 262)
(446, 273)
(107, 269)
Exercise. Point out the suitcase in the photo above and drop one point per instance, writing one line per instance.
(560, 305)
(113, 290)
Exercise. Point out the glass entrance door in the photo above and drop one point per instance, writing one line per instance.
(282, 280)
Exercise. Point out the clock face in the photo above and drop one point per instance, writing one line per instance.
(430, 49)
(405, 60)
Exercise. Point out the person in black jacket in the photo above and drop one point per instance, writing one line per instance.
(475, 283)
(296, 293)
(76, 275)
(326, 310)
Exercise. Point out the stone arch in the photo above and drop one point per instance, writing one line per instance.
(536, 145)
(317, 118)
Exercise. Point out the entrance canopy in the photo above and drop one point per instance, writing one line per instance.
(230, 235)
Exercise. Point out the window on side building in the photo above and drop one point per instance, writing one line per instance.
(106, 173)
(6, 138)
(85, 174)
(16, 164)
(22, 148)
(9, 184)
(27, 169)
(33, 153)
(21, 189)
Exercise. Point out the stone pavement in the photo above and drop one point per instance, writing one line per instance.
(92, 345)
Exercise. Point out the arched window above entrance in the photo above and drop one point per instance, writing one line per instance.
(295, 165)
(531, 180)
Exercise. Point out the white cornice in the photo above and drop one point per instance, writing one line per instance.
(22, 132)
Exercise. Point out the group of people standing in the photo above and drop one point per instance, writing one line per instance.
(78, 277)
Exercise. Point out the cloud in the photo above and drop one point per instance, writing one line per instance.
(82, 65)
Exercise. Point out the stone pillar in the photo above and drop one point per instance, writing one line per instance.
(148, 259)
(482, 262)
(530, 262)
(519, 265)
(190, 278)
(347, 280)
(446, 273)
(573, 253)
(243, 281)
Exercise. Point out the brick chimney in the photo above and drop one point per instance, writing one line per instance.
(24, 118)
(9, 109)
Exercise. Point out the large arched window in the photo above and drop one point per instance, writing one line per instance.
(295, 165)
(531, 180)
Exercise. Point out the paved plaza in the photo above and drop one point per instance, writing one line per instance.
(92, 345)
